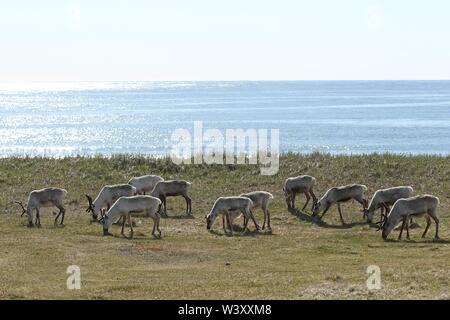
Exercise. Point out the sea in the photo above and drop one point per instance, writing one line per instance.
(338, 117)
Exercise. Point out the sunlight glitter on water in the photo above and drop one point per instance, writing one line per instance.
(86, 118)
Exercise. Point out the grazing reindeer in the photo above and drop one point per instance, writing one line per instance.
(224, 206)
(301, 184)
(416, 206)
(107, 196)
(125, 207)
(261, 199)
(145, 183)
(384, 198)
(339, 195)
(173, 188)
(47, 197)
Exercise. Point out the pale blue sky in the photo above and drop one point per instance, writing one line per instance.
(58, 40)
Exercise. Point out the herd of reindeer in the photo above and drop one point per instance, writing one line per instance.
(118, 203)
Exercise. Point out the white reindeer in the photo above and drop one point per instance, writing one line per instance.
(416, 206)
(173, 188)
(145, 183)
(47, 197)
(384, 198)
(260, 199)
(225, 205)
(126, 207)
(107, 196)
(301, 184)
(339, 195)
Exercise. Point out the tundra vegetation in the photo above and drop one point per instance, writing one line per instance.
(301, 258)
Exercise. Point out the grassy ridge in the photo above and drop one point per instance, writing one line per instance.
(299, 260)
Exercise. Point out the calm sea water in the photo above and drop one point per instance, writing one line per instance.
(57, 119)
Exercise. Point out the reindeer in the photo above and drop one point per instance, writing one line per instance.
(384, 198)
(107, 196)
(339, 195)
(301, 184)
(126, 207)
(416, 206)
(261, 199)
(225, 205)
(145, 183)
(172, 188)
(47, 197)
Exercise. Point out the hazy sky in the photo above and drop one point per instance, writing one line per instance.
(53, 40)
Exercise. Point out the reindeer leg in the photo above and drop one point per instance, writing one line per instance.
(63, 212)
(154, 229)
(268, 219)
(436, 220)
(38, 219)
(382, 208)
(427, 227)
(246, 219)
(308, 197)
(325, 211)
(254, 221)
(123, 226)
(340, 214)
(165, 207)
(290, 201)
(407, 227)
(158, 220)
(401, 230)
(187, 205)
(57, 216)
(293, 199)
(223, 224)
(159, 207)
(265, 217)
(313, 197)
(189, 200)
(364, 204)
(131, 225)
(230, 224)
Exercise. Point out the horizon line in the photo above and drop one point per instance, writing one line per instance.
(216, 80)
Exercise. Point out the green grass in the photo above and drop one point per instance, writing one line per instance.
(299, 260)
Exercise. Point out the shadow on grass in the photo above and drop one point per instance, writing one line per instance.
(178, 217)
(306, 217)
(424, 240)
(136, 237)
(237, 231)
(49, 226)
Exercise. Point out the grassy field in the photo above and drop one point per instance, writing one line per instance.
(299, 260)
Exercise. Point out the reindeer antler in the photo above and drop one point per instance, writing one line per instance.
(102, 215)
(381, 223)
(91, 206)
(22, 206)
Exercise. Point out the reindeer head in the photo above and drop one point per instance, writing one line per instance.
(210, 218)
(385, 225)
(317, 208)
(388, 226)
(106, 222)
